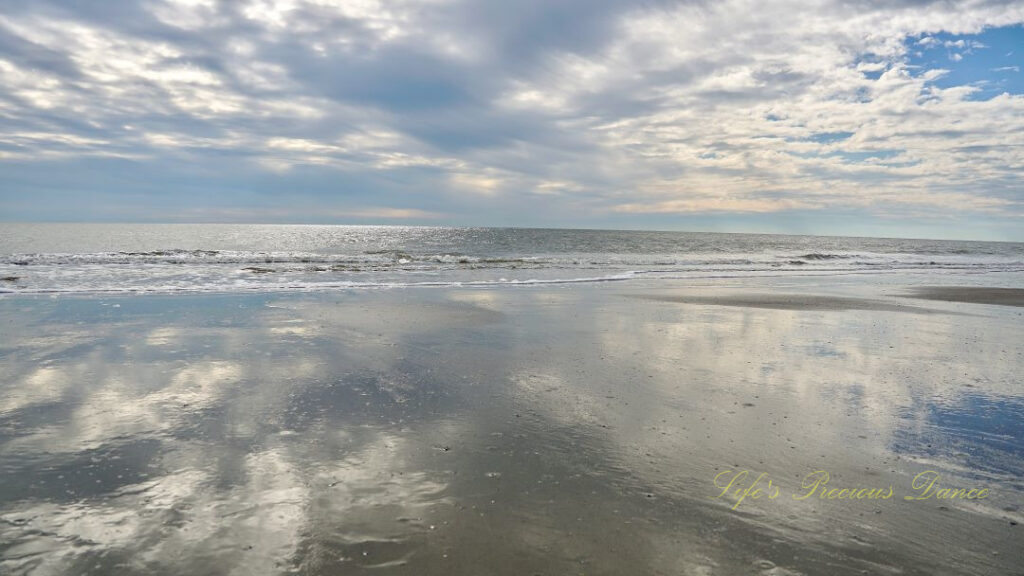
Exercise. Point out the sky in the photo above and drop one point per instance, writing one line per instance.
(869, 118)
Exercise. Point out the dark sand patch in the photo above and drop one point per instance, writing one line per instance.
(970, 294)
(792, 302)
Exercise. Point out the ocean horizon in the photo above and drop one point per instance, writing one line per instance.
(169, 258)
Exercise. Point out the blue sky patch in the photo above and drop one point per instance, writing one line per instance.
(990, 61)
(859, 156)
(829, 137)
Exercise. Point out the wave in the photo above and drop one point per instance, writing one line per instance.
(177, 256)
(823, 256)
(313, 286)
(177, 270)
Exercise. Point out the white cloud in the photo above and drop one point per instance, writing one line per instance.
(681, 109)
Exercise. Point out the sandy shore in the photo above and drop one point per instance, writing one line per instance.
(596, 429)
(792, 302)
(971, 294)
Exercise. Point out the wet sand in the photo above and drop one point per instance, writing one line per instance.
(971, 294)
(509, 431)
(791, 302)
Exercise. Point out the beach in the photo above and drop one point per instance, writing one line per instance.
(605, 428)
(481, 288)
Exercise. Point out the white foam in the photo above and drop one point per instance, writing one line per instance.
(341, 258)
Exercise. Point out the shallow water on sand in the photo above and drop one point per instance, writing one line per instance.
(507, 431)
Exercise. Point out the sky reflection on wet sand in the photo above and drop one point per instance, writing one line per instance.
(500, 431)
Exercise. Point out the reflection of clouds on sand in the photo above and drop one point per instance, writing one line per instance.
(501, 301)
(153, 381)
(34, 375)
(43, 385)
(164, 336)
(539, 430)
(402, 317)
(369, 505)
(133, 517)
(266, 512)
(175, 520)
(253, 525)
(827, 364)
(250, 465)
(366, 478)
(129, 400)
(198, 385)
(556, 399)
(698, 388)
(489, 299)
(293, 330)
(50, 339)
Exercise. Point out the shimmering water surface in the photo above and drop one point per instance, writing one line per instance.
(105, 258)
(568, 429)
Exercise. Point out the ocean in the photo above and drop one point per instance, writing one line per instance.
(169, 258)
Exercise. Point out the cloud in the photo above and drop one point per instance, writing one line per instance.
(711, 204)
(456, 110)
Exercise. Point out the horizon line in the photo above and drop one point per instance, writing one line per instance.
(566, 228)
